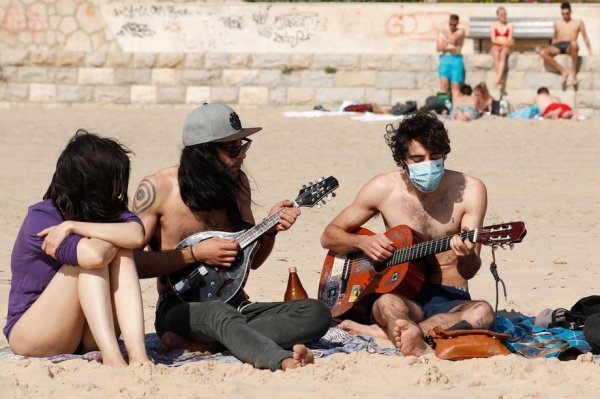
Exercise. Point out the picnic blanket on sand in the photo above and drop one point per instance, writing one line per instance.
(525, 339)
(334, 341)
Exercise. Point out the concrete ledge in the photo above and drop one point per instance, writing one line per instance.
(295, 79)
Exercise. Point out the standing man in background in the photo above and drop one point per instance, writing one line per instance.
(451, 69)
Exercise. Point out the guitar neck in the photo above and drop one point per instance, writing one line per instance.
(426, 248)
(254, 233)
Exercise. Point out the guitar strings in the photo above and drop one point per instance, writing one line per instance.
(252, 234)
(419, 250)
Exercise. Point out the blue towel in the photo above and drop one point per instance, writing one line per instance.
(525, 113)
(533, 341)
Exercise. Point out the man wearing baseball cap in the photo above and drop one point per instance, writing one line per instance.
(208, 191)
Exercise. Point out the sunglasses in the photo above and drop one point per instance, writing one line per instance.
(235, 151)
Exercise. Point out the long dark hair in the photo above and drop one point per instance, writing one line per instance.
(206, 183)
(421, 126)
(91, 178)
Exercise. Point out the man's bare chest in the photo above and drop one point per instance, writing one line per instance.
(179, 223)
(431, 219)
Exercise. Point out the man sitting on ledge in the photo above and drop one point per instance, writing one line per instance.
(566, 32)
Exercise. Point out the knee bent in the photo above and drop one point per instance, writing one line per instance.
(389, 302)
(318, 314)
(480, 315)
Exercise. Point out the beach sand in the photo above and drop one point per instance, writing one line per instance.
(544, 173)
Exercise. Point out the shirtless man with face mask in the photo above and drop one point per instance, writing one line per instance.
(433, 202)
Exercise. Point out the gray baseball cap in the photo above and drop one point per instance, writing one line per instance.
(216, 123)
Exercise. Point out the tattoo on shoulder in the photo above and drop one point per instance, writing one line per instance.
(144, 196)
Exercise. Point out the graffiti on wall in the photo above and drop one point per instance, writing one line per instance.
(16, 18)
(417, 25)
(136, 30)
(208, 28)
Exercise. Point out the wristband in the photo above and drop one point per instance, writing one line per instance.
(192, 253)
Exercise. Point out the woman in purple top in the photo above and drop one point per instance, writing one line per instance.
(74, 285)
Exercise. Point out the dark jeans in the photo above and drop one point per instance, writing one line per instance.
(262, 334)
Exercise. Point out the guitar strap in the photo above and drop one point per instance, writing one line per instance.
(494, 271)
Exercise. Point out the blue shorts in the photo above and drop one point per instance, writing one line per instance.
(452, 67)
(435, 299)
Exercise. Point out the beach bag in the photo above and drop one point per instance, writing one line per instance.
(467, 344)
(576, 318)
(433, 104)
(404, 109)
(591, 332)
(500, 107)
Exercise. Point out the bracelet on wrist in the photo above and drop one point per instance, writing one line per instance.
(192, 253)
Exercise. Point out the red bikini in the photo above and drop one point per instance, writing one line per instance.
(498, 34)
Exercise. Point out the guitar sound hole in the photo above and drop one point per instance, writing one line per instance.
(379, 266)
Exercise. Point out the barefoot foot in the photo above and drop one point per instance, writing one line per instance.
(138, 358)
(302, 357)
(564, 77)
(409, 339)
(355, 328)
(171, 340)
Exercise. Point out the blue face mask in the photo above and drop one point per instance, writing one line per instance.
(426, 175)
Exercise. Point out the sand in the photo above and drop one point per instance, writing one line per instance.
(544, 173)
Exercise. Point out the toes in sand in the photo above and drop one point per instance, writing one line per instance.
(409, 339)
(302, 357)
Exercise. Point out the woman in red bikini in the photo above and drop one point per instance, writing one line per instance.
(502, 43)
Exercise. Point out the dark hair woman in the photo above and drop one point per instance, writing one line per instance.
(74, 284)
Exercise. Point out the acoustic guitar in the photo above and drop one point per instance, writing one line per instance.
(347, 279)
(205, 283)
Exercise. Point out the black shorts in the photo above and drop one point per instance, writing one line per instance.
(562, 46)
(435, 299)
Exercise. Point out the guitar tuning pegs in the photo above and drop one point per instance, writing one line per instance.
(318, 206)
(333, 195)
(304, 186)
(329, 197)
(323, 203)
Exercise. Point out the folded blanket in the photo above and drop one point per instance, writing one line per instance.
(334, 341)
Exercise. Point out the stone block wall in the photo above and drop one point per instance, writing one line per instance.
(304, 80)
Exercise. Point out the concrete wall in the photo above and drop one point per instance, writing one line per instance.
(48, 76)
(229, 27)
(180, 52)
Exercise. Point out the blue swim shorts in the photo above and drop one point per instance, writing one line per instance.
(452, 68)
(435, 299)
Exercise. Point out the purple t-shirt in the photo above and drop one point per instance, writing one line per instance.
(31, 268)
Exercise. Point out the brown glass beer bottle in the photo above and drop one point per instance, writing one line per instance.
(294, 287)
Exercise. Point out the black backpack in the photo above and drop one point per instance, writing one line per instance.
(575, 318)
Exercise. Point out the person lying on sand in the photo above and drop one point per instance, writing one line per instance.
(551, 107)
